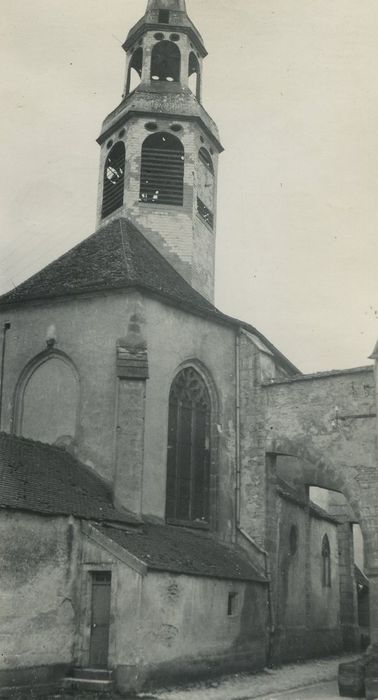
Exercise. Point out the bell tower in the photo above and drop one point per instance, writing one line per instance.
(160, 148)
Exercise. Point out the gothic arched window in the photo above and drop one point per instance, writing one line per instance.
(326, 562)
(194, 75)
(162, 170)
(134, 73)
(165, 62)
(188, 461)
(114, 178)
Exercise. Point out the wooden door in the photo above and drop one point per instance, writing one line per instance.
(100, 618)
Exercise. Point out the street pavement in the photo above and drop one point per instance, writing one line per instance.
(302, 681)
(323, 691)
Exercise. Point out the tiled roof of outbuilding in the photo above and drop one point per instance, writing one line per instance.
(184, 551)
(48, 480)
(118, 256)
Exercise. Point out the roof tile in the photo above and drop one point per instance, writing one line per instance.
(47, 479)
(184, 551)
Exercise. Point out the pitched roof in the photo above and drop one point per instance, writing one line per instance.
(118, 256)
(184, 551)
(115, 256)
(48, 480)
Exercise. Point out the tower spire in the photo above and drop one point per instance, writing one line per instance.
(159, 147)
(175, 5)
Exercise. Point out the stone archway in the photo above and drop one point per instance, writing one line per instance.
(360, 490)
(316, 470)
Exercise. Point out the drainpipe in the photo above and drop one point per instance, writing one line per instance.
(238, 525)
(6, 328)
(237, 429)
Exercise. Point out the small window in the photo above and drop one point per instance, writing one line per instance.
(232, 604)
(205, 158)
(163, 17)
(205, 213)
(114, 175)
(326, 562)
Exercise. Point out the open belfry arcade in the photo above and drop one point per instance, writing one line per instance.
(177, 499)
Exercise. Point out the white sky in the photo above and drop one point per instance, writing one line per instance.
(293, 87)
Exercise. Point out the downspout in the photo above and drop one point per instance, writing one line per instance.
(238, 525)
(237, 431)
(6, 328)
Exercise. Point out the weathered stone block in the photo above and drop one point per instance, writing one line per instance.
(371, 679)
(352, 679)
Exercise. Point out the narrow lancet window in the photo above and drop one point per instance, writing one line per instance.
(165, 62)
(114, 177)
(326, 562)
(162, 170)
(188, 461)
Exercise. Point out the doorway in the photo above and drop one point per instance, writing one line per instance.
(100, 619)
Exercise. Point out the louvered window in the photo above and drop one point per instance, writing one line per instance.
(162, 170)
(188, 465)
(205, 213)
(163, 17)
(114, 179)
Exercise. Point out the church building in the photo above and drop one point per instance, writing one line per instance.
(156, 455)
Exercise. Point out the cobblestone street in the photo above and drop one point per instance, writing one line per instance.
(323, 691)
(312, 679)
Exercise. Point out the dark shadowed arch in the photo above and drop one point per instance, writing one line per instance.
(114, 179)
(194, 73)
(165, 62)
(134, 72)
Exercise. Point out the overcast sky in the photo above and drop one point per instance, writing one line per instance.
(292, 85)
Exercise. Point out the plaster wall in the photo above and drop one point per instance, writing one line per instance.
(164, 625)
(291, 569)
(87, 329)
(306, 615)
(324, 601)
(186, 624)
(38, 592)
